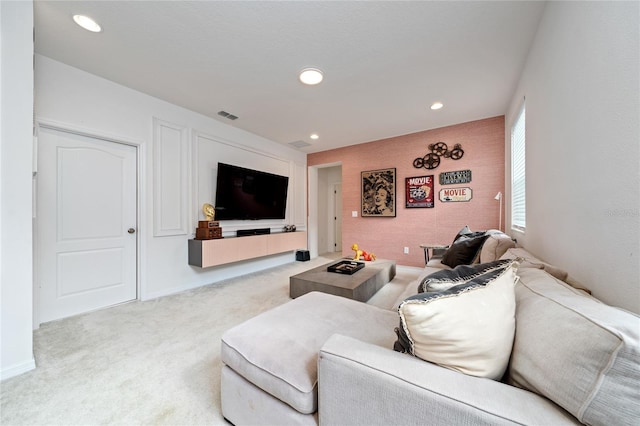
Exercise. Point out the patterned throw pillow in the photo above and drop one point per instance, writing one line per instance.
(447, 278)
(468, 328)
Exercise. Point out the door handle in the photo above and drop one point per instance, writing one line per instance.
(131, 230)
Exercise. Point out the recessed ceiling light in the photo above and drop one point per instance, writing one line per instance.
(314, 136)
(87, 23)
(437, 105)
(311, 76)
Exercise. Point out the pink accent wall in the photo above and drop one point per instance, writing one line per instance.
(483, 145)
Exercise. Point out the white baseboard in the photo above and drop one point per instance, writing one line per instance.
(18, 369)
(225, 272)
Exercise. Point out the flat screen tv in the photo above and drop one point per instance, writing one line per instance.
(245, 194)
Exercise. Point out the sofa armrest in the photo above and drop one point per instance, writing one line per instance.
(360, 383)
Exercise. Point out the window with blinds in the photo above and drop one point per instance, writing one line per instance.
(518, 196)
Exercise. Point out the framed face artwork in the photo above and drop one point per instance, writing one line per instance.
(378, 193)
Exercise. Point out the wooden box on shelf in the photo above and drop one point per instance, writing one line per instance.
(208, 230)
(208, 224)
(208, 233)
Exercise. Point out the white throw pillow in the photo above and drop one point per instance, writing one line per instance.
(468, 328)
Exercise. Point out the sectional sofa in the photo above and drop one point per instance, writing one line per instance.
(539, 352)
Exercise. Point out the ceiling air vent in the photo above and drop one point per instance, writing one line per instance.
(299, 144)
(225, 114)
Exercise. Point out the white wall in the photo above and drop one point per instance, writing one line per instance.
(71, 97)
(581, 83)
(209, 151)
(16, 159)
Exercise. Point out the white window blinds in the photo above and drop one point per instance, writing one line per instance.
(518, 198)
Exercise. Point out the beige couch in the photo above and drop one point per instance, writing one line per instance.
(323, 359)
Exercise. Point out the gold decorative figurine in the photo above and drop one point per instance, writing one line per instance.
(209, 211)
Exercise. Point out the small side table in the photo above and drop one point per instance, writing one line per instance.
(426, 247)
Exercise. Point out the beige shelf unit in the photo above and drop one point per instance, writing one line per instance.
(206, 253)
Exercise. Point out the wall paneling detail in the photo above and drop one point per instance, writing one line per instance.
(170, 179)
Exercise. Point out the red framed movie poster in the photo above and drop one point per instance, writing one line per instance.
(419, 191)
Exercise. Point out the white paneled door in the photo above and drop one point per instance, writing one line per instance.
(86, 223)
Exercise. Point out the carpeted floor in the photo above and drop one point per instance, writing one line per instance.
(155, 362)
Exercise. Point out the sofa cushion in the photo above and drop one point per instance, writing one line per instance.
(437, 264)
(468, 328)
(495, 246)
(464, 250)
(444, 279)
(278, 350)
(410, 287)
(528, 260)
(578, 352)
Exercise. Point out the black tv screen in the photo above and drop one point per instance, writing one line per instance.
(247, 194)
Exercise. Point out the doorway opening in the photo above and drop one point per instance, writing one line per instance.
(325, 203)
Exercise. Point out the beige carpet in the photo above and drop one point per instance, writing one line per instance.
(154, 362)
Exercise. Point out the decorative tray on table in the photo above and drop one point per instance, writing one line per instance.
(348, 267)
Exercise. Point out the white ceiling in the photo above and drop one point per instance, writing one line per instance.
(384, 62)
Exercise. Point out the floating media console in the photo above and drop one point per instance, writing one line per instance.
(257, 231)
(206, 253)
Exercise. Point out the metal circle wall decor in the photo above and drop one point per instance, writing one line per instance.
(439, 149)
